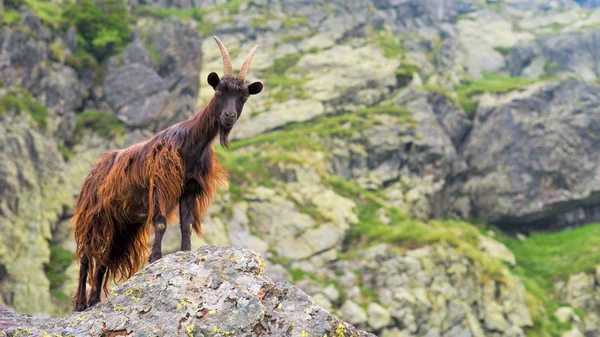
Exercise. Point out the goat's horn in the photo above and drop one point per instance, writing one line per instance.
(227, 68)
(246, 65)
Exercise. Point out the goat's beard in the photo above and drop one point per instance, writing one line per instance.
(224, 137)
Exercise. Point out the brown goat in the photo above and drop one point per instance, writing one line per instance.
(130, 191)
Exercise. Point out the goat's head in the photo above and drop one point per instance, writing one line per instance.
(231, 93)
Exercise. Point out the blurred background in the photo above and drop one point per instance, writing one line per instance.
(419, 167)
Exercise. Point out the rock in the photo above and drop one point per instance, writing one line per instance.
(496, 249)
(135, 91)
(154, 96)
(517, 180)
(566, 315)
(378, 316)
(352, 312)
(210, 291)
(279, 273)
(351, 71)
(33, 195)
(322, 301)
(332, 293)
(25, 63)
(573, 333)
(580, 291)
(435, 288)
(282, 114)
(558, 53)
(137, 53)
(179, 47)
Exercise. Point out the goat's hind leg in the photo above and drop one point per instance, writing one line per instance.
(160, 227)
(186, 218)
(80, 298)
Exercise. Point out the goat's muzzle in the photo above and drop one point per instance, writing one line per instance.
(228, 118)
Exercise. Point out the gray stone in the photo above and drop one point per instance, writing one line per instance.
(352, 312)
(496, 249)
(322, 301)
(131, 85)
(573, 333)
(210, 291)
(179, 46)
(137, 53)
(378, 316)
(517, 178)
(331, 292)
(566, 315)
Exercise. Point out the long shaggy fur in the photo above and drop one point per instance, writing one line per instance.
(127, 189)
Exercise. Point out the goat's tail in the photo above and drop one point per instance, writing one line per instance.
(102, 240)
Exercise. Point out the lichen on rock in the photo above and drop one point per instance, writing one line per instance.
(210, 291)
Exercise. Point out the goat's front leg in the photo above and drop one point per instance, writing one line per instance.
(160, 227)
(97, 289)
(186, 218)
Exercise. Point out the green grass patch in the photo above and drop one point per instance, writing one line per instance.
(283, 87)
(102, 26)
(60, 260)
(392, 45)
(20, 102)
(163, 13)
(294, 136)
(543, 259)
(57, 52)
(198, 14)
(9, 18)
(283, 64)
(551, 68)
(104, 124)
(260, 22)
(503, 50)
(299, 274)
(244, 166)
(405, 231)
(490, 83)
(290, 21)
(552, 256)
(49, 12)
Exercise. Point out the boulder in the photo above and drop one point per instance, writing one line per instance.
(531, 159)
(210, 291)
(556, 54)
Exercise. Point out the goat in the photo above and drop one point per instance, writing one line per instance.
(128, 192)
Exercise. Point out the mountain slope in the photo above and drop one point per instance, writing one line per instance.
(385, 128)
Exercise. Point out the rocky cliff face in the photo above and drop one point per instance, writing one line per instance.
(377, 118)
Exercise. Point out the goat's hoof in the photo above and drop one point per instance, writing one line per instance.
(93, 301)
(80, 307)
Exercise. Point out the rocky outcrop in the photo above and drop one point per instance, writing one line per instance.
(152, 90)
(582, 291)
(530, 161)
(558, 54)
(210, 291)
(32, 198)
(27, 61)
(431, 291)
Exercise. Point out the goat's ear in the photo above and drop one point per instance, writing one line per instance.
(255, 88)
(213, 80)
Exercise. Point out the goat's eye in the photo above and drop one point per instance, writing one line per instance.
(217, 92)
(246, 98)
